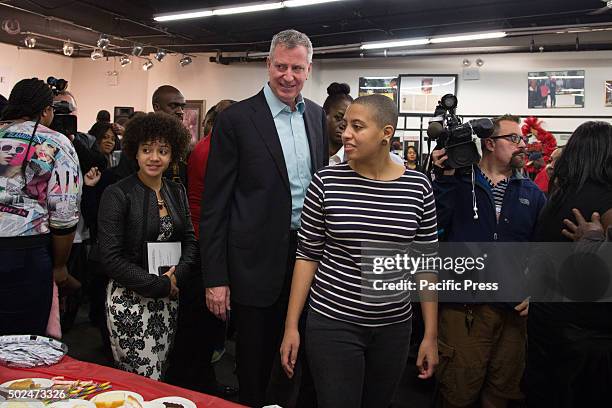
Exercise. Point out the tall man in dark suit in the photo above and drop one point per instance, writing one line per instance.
(264, 151)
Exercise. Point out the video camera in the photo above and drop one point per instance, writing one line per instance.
(63, 119)
(456, 137)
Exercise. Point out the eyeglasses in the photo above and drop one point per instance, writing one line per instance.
(514, 138)
(9, 148)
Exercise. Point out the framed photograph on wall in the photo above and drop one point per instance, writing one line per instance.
(378, 85)
(608, 93)
(555, 89)
(192, 118)
(419, 94)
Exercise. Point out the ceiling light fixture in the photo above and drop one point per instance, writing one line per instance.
(184, 16)
(186, 60)
(30, 41)
(96, 54)
(147, 65)
(137, 50)
(392, 44)
(68, 48)
(424, 41)
(160, 55)
(248, 8)
(300, 3)
(468, 37)
(103, 41)
(124, 61)
(11, 26)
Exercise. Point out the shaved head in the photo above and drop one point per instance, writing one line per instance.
(168, 99)
(382, 108)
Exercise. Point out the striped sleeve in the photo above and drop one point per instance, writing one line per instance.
(426, 239)
(311, 236)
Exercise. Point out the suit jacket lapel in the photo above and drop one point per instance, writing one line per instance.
(311, 121)
(264, 123)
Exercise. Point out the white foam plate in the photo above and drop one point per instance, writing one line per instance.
(118, 394)
(41, 382)
(176, 400)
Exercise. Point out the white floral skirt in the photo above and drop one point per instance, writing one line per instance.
(141, 330)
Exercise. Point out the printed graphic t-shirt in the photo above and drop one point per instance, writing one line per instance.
(43, 195)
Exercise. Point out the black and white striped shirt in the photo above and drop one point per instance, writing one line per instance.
(343, 214)
(498, 190)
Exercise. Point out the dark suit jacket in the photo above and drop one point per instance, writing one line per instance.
(246, 205)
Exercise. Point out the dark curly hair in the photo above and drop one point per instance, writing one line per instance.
(158, 126)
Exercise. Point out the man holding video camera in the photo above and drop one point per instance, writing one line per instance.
(482, 346)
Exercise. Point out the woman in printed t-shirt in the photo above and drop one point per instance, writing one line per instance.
(40, 189)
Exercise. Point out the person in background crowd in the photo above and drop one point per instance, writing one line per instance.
(207, 123)
(545, 174)
(358, 344)
(335, 105)
(105, 140)
(89, 158)
(198, 162)
(103, 116)
(146, 208)
(570, 342)
(190, 359)
(411, 158)
(95, 182)
(482, 345)
(263, 153)
(39, 209)
(170, 100)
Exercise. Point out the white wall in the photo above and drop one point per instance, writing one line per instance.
(17, 64)
(92, 91)
(501, 89)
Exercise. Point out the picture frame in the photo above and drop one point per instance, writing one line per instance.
(419, 93)
(385, 85)
(608, 93)
(192, 118)
(555, 89)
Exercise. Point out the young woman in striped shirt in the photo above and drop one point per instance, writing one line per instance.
(357, 337)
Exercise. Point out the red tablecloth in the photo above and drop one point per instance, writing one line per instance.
(79, 370)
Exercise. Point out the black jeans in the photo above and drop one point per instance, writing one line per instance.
(355, 366)
(26, 290)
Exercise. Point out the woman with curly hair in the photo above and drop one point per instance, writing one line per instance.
(142, 307)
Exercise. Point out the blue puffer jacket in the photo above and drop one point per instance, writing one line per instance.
(521, 207)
